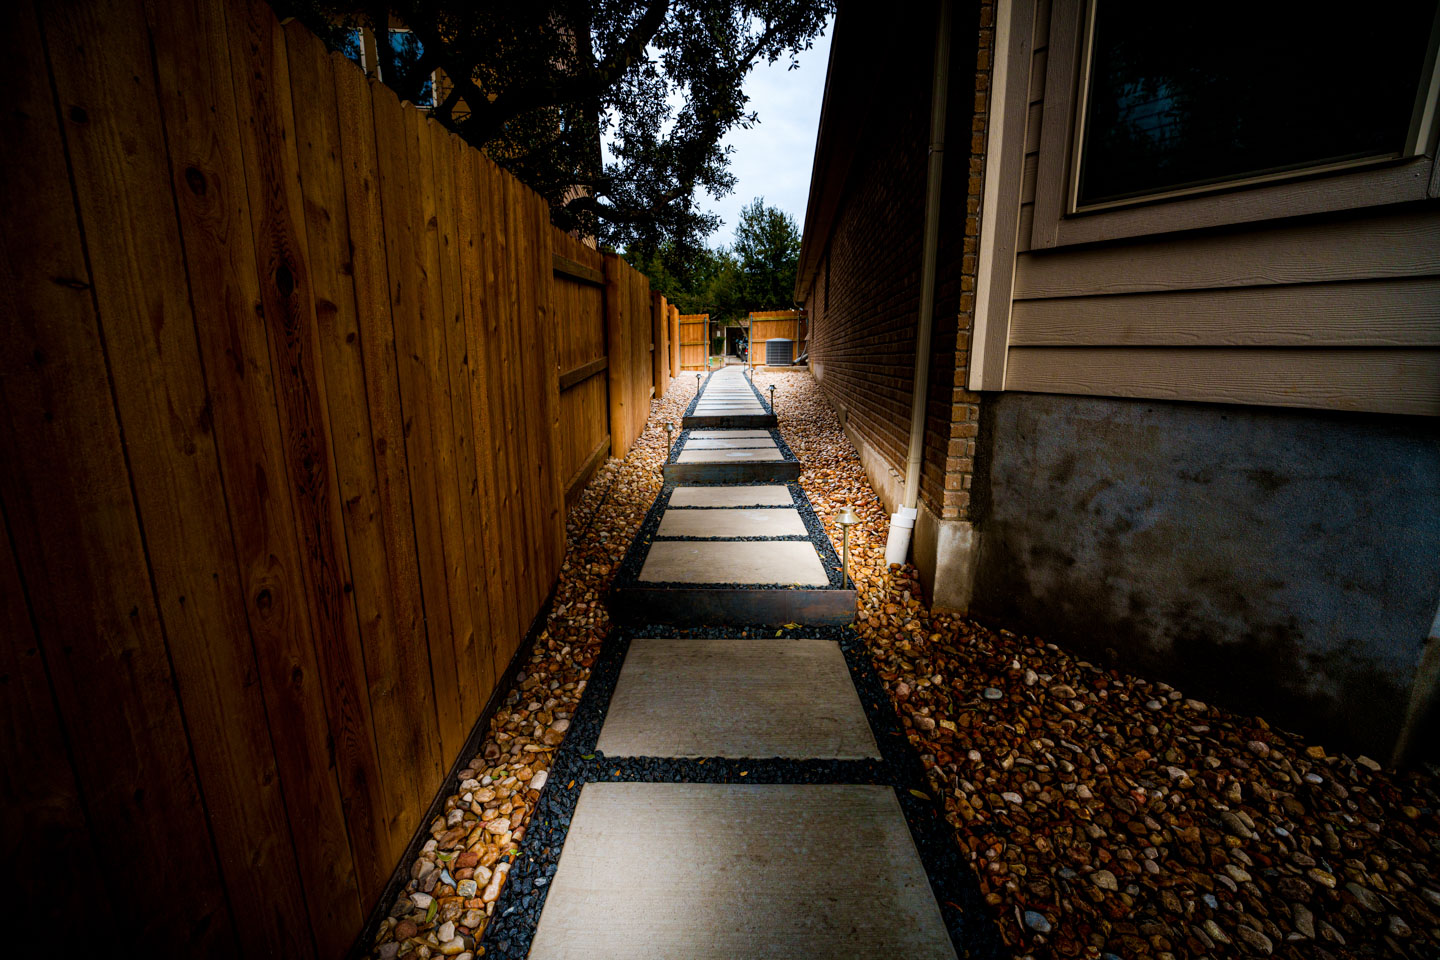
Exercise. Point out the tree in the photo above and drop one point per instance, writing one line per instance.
(537, 85)
(767, 242)
(708, 281)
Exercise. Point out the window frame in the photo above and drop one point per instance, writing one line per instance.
(1349, 185)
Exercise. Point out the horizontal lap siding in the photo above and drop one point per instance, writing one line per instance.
(1332, 284)
(284, 452)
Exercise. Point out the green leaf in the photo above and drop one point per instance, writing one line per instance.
(587, 756)
(430, 910)
(920, 793)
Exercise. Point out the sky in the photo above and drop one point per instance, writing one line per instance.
(772, 159)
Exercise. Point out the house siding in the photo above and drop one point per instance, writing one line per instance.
(1197, 315)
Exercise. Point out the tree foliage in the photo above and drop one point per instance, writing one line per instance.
(767, 243)
(538, 85)
(757, 273)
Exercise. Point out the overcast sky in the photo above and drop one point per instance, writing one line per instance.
(772, 159)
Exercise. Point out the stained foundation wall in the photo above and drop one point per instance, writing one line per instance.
(1277, 562)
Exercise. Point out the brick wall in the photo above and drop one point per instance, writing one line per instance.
(864, 300)
(964, 426)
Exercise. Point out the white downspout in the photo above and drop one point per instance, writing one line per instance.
(902, 522)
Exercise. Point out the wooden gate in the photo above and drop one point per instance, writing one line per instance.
(694, 347)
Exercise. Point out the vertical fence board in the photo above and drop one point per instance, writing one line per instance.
(44, 822)
(472, 656)
(660, 341)
(445, 652)
(193, 66)
(399, 676)
(262, 95)
(503, 612)
(317, 139)
(394, 137)
(549, 479)
(507, 310)
(66, 492)
(617, 347)
(521, 313)
(122, 184)
(496, 363)
(674, 321)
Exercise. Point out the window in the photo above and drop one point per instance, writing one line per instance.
(408, 50)
(353, 45)
(1186, 96)
(1165, 117)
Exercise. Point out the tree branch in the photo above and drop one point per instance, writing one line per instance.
(515, 101)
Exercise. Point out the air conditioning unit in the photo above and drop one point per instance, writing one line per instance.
(779, 352)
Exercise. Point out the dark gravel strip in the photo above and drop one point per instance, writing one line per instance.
(576, 763)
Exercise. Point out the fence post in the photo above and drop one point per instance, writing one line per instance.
(618, 372)
(660, 357)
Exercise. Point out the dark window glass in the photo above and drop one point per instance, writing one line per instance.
(352, 45)
(1184, 95)
(408, 50)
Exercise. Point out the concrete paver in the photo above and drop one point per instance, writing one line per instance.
(778, 522)
(743, 697)
(782, 871)
(734, 561)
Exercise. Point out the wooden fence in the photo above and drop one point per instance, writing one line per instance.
(769, 324)
(292, 394)
(694, 342)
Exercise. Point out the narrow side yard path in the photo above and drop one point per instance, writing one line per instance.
(1254, 843)
(724, 793)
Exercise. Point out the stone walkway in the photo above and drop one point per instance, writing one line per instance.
(669, 849)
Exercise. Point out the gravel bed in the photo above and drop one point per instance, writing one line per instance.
(634, 560)
(490, 803)
(579, 763)
(1110, 816)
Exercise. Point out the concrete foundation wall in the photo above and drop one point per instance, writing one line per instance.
(1279, 562)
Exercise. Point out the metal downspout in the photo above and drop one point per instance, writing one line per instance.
(902, 522)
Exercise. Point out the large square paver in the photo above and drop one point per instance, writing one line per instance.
(779, 522)
(664, 871)
(770, 495)
(734, 561)
(729, 443)
(736, 698)
(751, 455)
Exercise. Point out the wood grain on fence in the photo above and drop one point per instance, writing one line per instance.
(296, 389)
(694, 345)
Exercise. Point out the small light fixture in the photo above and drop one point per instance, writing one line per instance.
(772, 398)
(847, 518)
(669, 434)
(697, 383)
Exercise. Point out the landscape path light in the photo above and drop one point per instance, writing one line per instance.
(847, 518)
(772, 398)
